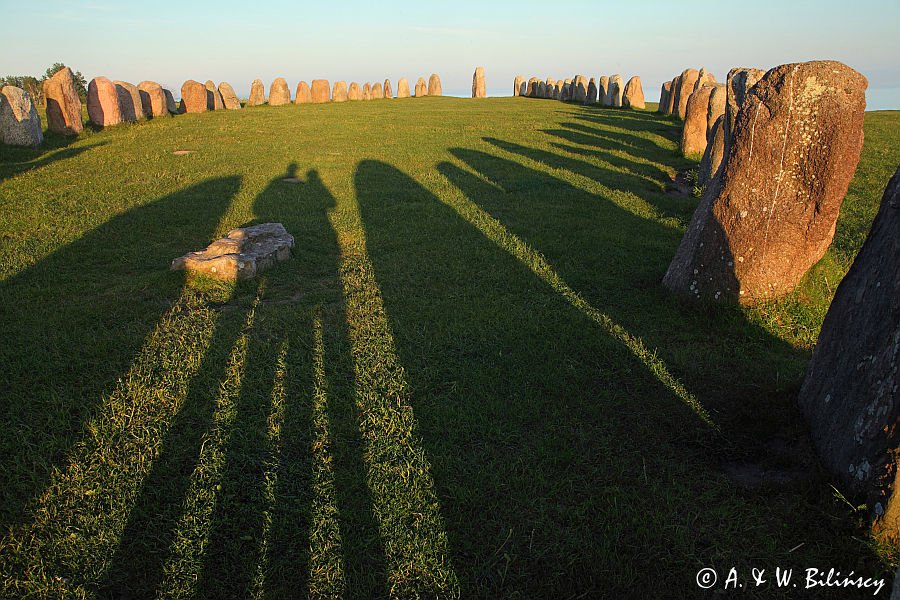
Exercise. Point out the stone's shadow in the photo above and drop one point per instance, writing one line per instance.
(633, 121)
(87, 308)
(15, 161)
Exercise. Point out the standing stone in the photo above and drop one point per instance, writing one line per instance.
(558, 90)
(153, 99)
(194, 97)
(517, 86)
(103, 102)
(703, 78)
(171, 105)
(229, 97)
(693, 133)
(771, 214)
(279, 93)
(592, 91)
(367, 91)
(214, 98)
(616, 89)
(434, 85)
(738, 85)
(603, 91)
(851, 395)
(551, 89)
(634, 94)
(63, 103)
(579, 90)
(567, 89)
(304, 94)
(716, 106)
(478, 87)
(712, 156)
(543, 92)
(388, 91)
(354, 93)
(20, 124)
(377, 92)
(664, 97)
(339, 93)
(670, 101)
(403, 88)
(129, 101)
(321, 91)
(421, 88)
(532, 89)
(683, 91)
(257, 93)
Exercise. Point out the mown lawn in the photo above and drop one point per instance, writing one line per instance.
(467, 382)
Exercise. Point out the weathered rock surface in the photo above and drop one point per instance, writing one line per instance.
(664, 92)
(517, 85)
(670, 101)
(478, 86)
(532, 89)
(633, 96)
(171, 105)
(683, 91)
(616, 89)
(257, 93)
(715, 151)
(367, 91)
(592, 91)
(129, 101)
(403, 88)
(388, 91)
(63, 103)
(304, 94)
(434, 85)
(353, 92)
(20, 124)
(421, 88)
(339, 92)
(771, 214)
(153, 99)
(279, 93)
(103, 102)
(603, 91)
(242, 254)
(194, 97)
(229, 97)
(377, 92)
(704, 77)
(693, 132)
(579, 89)
(214, 98)
(321, 91)
(738, 85)
(851, 395)
(716, 106)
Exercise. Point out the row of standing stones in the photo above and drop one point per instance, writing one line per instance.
(608, 91)
(780, 148)
(114, 102)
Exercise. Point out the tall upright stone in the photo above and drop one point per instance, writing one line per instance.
(20, 124)
(592, 91)
(353, 92)
(851, 395)
(216, 102)
(339, 92)
(153, 99)
(616, 90)
(551, 89)
(229, 97)
(580, 89)
(738, 85)
(171, 105)
(367, 91)
(532, 89)
(63, 103)
(320, 91)
(517, 85)
(771, 214)
(664, 92)
(683, 91)
(304, 94)
(257, 93)
(716, 106)
(434, 85)
(194, 97)
(714, 153)
(403, 88)
(421, 88)
(704, 77)
(103, 102)
(388, 91)
(279, 93)
(693, 133)
(478, 86)
(633, 97)
(377, 91)
(603, 91)
(129, 101)
(670, 101)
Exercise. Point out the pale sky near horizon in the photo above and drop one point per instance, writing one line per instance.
(363, 41)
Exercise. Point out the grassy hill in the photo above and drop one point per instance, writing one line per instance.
(468, 381)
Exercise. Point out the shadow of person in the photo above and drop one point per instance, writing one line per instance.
(78, 318)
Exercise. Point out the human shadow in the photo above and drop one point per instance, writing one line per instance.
(78, 317)
(504, 372)
(15, 161)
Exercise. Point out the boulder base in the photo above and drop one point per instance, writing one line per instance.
(242, 254)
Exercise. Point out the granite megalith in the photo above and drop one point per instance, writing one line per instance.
(279, 93)
(304, 94)
(20, 124)
(63, 103)
(229, 97)
(683, 91)
(214, 98)
(130, 104)
(153, 99)
(257, 93)
(388, 90)
(478, 86)
(194, 97)
(517, 85)
(633, 97)
(421, 88)
(339, 92)
(103, 102)
(434, 85)
(403, 88)
(693, 131)
(320, 91)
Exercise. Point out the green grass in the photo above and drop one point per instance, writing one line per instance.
(467, 382)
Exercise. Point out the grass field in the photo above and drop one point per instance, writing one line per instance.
(467, 382)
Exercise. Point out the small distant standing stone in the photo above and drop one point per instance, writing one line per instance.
(634, 94)
(403, 88)
(685, 88)
(129, 101)
(304, 95)
(693, 134)
(616, 89)
(242, 254)
(171, 105)
(377, 92)
(257, 93)
(229, 97)
(214, 98)
(367, 91)
(153, 99)
(20, 124)
(339, 93)
(421, 88)
(603, 91)
(353, 92)
(194, 97)
(388, 91)
(478, 87)
(434, 85)
(670, 101)
(581, 93)
(279, 93)
(664, 92)
(517, 86)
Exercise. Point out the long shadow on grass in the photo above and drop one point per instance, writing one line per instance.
(535, 418)
(76, 319)
(14, 161)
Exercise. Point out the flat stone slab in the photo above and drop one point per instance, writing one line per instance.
(242, 254)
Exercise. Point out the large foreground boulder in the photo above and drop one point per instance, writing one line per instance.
(257, 93)
(421, 88)
(693, 132)
(279, 93)
(229, 97)
(214, 98)
(130, 104)
(634, 94)
(478, 86)
(771, 214)
(20, 124)
(194, 97)
(683, 91)
(517, 85)
(851, 395)
(153, 99)
(304, 94)
(103, 102)
(434, 85)
(339, 92)
(403, 88)
(242, 254)
(63, 103)
(388, 91)
(321, 91)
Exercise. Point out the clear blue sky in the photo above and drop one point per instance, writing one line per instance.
(169, 42)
